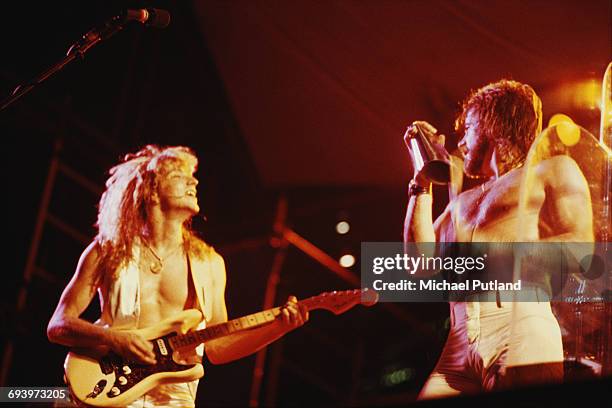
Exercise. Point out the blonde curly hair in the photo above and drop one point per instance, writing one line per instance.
(123, 207)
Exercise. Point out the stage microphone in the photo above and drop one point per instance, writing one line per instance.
(428, 159)
(150, 17)
(157, 18)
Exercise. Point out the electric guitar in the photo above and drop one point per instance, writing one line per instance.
(99, 377)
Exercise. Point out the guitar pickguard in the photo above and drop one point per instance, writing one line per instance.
(130, 373)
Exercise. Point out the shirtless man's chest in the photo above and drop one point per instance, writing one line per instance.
(171, 290)
(489, 213)
(166, 293)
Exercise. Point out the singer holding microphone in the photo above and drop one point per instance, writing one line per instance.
(497, 344)
(147, 265)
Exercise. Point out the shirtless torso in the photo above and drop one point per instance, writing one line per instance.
(171, 290)
(489, 212)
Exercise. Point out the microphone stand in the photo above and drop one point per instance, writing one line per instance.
(78, 49)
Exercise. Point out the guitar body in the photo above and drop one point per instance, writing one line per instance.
(101, 378)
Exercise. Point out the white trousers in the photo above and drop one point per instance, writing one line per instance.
(169, 395)
(487, 338)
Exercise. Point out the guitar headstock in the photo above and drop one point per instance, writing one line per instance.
(340, 302)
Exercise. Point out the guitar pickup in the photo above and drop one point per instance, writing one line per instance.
(162, 347)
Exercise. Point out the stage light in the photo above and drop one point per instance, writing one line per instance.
(588, 94)
(569, 133)
(343, 227)
(567, 130)
(559, 118)
(347, 260)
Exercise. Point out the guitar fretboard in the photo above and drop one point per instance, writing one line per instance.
(223, 329)
(337, 302)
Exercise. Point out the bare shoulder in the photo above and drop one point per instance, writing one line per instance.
(210, 262)
(561, 171)
(560, 165)
(87, 274)
(92, 252)
(89, 261)
(82, 287)
(217, 267)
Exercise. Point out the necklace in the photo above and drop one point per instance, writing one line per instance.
(158, 264)
(483, 189)
(487, 184)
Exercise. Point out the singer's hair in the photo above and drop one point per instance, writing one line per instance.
(124, 205)
(509, 115)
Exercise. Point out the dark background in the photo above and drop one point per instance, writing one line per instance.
(302, 100)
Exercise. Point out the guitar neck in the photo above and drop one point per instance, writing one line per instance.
(251, 321)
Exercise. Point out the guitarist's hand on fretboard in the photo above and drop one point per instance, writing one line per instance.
(293, 314)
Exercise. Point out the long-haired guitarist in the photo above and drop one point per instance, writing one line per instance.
(147, 265)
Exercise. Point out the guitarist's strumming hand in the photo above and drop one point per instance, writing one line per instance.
(293, 314)
(132, 346)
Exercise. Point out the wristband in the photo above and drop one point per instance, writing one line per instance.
(415, 189)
